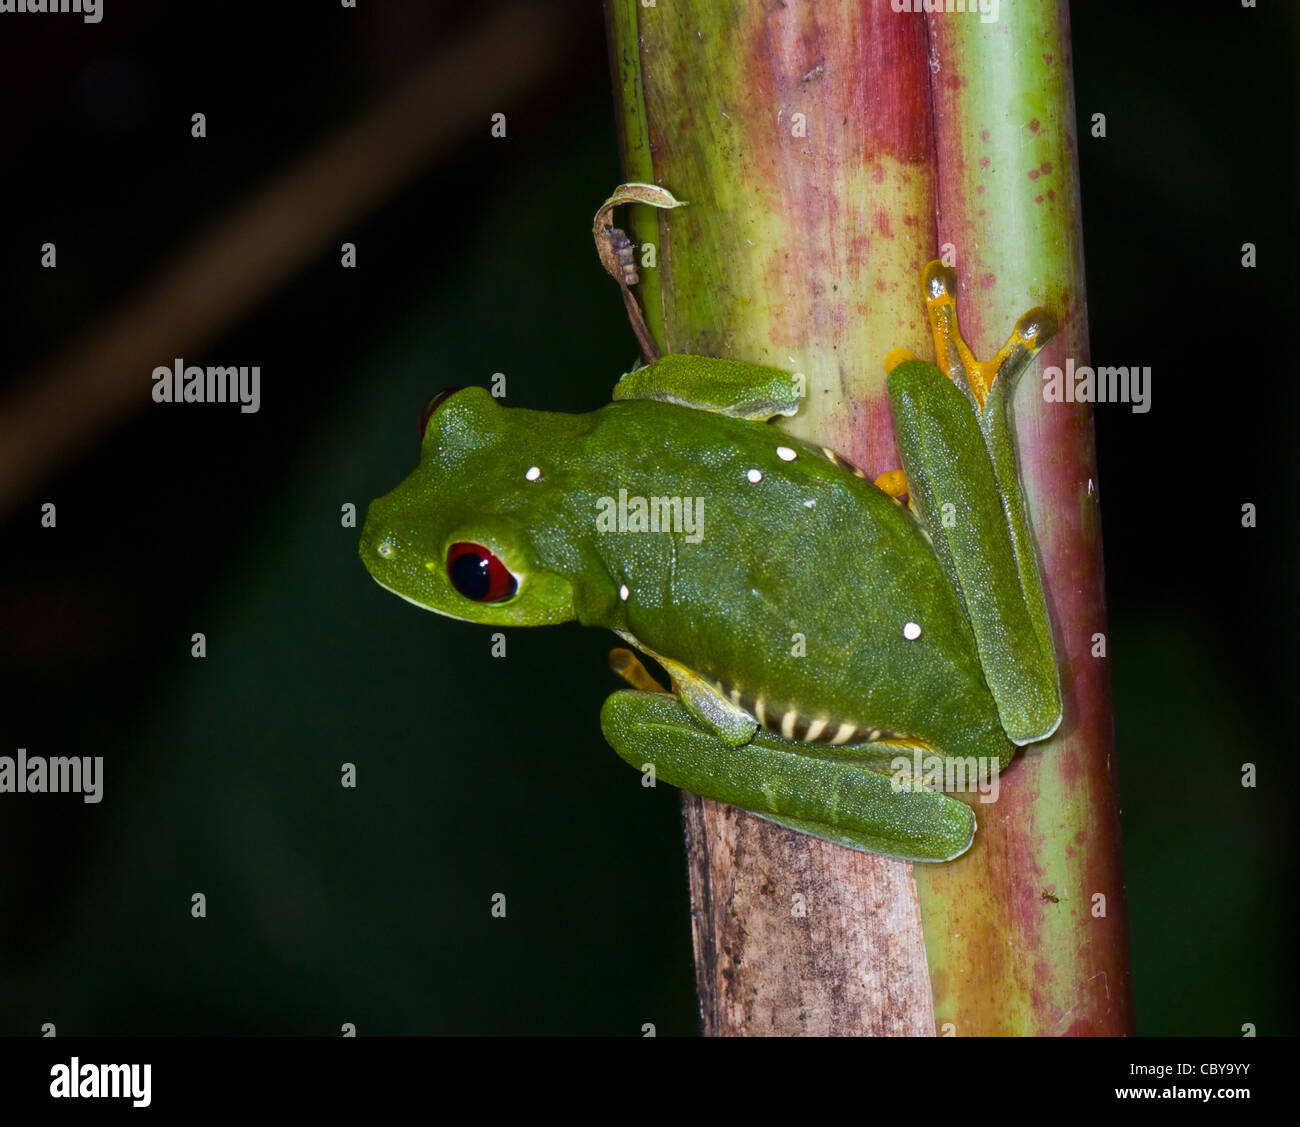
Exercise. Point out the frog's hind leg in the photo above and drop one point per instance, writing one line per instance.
(832, 800)
(958, 452)
(909, 757)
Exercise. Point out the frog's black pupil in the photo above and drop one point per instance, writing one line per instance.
(471, 576)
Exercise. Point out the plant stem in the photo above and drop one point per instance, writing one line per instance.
(804, 138)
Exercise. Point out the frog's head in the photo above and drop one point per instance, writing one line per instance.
(464, 534)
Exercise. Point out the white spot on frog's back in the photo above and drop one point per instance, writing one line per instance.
(911, 631)
(755, 476)
(624, 593)
(534, 472)
(786, 454)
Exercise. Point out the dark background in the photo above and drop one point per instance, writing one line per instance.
(480, 776)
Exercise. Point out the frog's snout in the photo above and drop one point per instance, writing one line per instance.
(378, 545)
(394, 556)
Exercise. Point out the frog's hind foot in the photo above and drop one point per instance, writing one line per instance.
(954, 357)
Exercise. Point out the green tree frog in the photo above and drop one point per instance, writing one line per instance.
(818, 633)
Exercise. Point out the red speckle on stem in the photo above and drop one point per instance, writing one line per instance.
(984, 134)
(984, 162)
(1048, 59)
(1034, 126)
(988, 281)
(1038, 199)
(882, 223)
(1033, 174)
(1045, 168)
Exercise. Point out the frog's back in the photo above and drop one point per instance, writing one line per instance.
(797, 587)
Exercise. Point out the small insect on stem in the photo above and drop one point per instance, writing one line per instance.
(626, 253)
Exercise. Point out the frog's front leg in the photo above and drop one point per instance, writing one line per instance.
(831, 799)
(729, 387)
(723, 717)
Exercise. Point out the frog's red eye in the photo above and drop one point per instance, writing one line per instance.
(477, 574)
(433, 404)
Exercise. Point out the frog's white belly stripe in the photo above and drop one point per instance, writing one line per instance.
(794, 726)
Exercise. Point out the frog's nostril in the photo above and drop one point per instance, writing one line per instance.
(386, 548)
